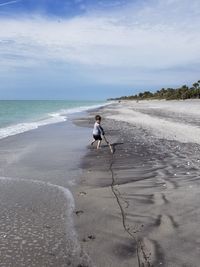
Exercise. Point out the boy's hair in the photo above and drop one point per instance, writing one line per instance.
(97, 117)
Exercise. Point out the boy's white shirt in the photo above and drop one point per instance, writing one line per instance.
(97, 130)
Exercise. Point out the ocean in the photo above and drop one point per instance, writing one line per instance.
(18, 116)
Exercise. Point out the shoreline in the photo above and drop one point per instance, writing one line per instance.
(37, 170)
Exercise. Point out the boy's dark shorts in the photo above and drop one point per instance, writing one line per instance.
(97, 137)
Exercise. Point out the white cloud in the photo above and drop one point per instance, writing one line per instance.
(148, 37)
(9, 3)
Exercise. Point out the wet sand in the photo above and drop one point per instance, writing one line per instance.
(140, 206)
(36, 170)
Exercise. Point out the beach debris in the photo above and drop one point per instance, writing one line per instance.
(47, 226)
(82, 193)
(91, 237)
(79, 212)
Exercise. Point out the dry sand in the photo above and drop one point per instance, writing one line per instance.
(172, 120)
(140, 206)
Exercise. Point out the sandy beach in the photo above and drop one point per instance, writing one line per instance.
(63, 203)
(68, 68)
(140, 206)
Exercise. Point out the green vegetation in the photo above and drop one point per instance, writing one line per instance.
(183, 92)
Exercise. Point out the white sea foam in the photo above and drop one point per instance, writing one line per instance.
(64, 112)
(68, 195)
(53, 118)
(69, 201)
(24, 127)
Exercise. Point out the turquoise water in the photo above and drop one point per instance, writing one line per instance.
(20, 116)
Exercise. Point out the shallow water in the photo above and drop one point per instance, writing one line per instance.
(20, 116)
(36, 207)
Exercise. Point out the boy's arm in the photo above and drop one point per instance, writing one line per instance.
(102, 130)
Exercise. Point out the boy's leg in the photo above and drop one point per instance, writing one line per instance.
(93, 141)
(99, 144)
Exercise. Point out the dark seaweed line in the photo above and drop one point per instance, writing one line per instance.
(139, 245)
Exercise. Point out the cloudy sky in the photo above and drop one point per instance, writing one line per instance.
(90, 49)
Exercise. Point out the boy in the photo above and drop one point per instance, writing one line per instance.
(97, 131)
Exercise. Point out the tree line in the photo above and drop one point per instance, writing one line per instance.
(183, 92)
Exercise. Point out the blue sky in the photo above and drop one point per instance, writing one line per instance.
(87, 49)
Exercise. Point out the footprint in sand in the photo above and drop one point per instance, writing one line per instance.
(165, 225)
(82, 193)
(79, 212)
(160, 199)
(89, 237)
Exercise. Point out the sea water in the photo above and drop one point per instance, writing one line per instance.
(18, 116)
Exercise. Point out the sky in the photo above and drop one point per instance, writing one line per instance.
(96, 49)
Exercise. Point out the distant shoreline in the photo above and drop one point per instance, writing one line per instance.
(182, 93)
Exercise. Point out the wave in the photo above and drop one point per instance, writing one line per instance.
(56, 117)
(70, 205)
(68, 111)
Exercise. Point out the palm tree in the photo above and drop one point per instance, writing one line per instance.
(196, 85)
